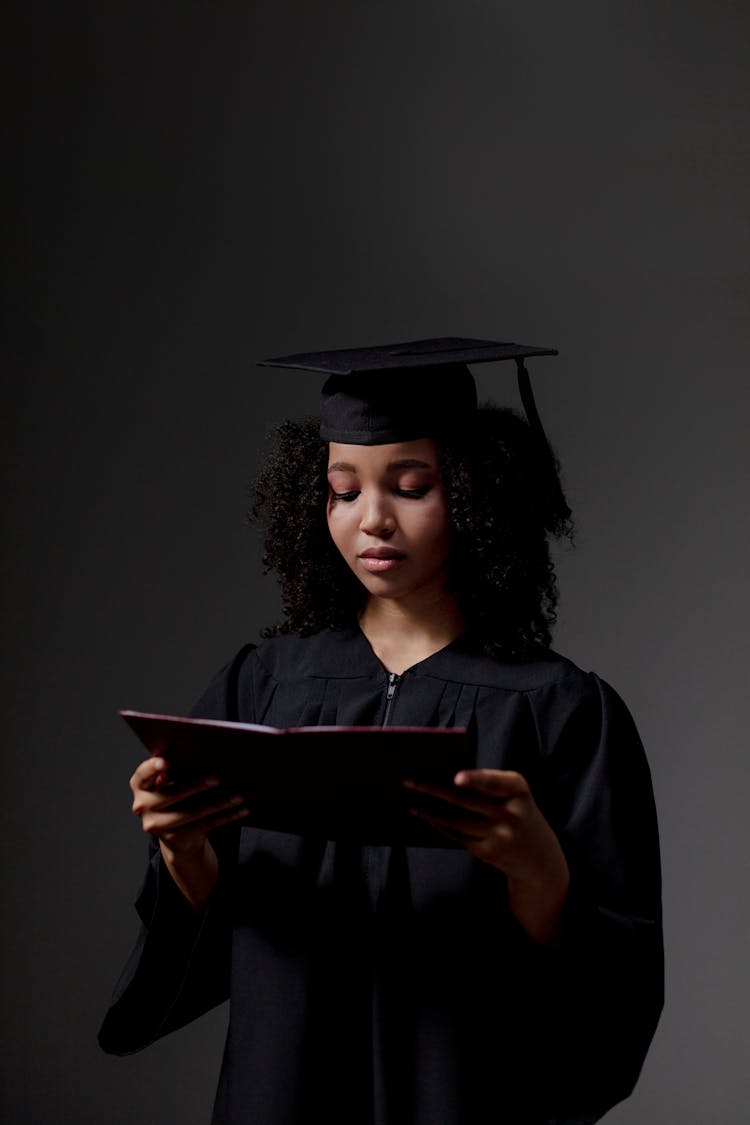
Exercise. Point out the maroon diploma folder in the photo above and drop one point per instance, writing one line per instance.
(334, 782)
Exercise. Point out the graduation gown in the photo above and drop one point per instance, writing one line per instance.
(391, 985)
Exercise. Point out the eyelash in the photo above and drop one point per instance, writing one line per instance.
(408, 493)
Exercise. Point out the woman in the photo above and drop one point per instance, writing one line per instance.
(514, 975)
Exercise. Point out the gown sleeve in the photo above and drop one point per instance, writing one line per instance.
(607, 977)
(180, 965)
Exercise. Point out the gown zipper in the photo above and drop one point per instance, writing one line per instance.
(393, 681)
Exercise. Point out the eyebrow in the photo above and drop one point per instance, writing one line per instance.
(406, 463)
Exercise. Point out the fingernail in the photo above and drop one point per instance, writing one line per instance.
(236, 800)
(408, 783)
(212, 781)
(158, 763)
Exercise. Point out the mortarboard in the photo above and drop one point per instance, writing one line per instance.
(422, 388)
(397, 392)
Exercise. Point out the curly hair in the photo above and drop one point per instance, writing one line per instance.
(504, 501)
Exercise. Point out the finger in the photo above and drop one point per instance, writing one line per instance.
(444, 792)
(461, 797)
(176, 794)
(496, 783)
(454, 820)
(152, 788)
(209, 824)
(157, 821)
(452, 831)
(145, 775)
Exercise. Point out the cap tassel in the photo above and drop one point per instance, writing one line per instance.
(560, 505)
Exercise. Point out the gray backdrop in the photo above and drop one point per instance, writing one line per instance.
(200, 185)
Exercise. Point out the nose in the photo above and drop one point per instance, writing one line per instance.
(376, 516)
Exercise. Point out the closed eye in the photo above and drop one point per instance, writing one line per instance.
(409, 493)
(414, 493)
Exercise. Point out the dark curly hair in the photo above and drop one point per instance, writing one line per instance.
(505, 506)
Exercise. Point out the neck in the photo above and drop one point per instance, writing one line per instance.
(402, 633)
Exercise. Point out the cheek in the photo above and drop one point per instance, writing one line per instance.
(331, 521)
(338, 525)
(433, 526)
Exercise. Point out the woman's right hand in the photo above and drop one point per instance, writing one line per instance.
(182, 832)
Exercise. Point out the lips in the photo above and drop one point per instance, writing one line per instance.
(382, 553)
(379, 560)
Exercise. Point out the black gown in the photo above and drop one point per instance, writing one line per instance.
(392, 985)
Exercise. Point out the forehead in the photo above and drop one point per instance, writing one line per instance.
(420, 453)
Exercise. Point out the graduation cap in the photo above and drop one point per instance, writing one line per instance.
(422, 388)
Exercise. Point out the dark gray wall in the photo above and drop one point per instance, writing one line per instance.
(200, 185)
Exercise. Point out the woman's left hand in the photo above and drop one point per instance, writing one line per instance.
(493, 814)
